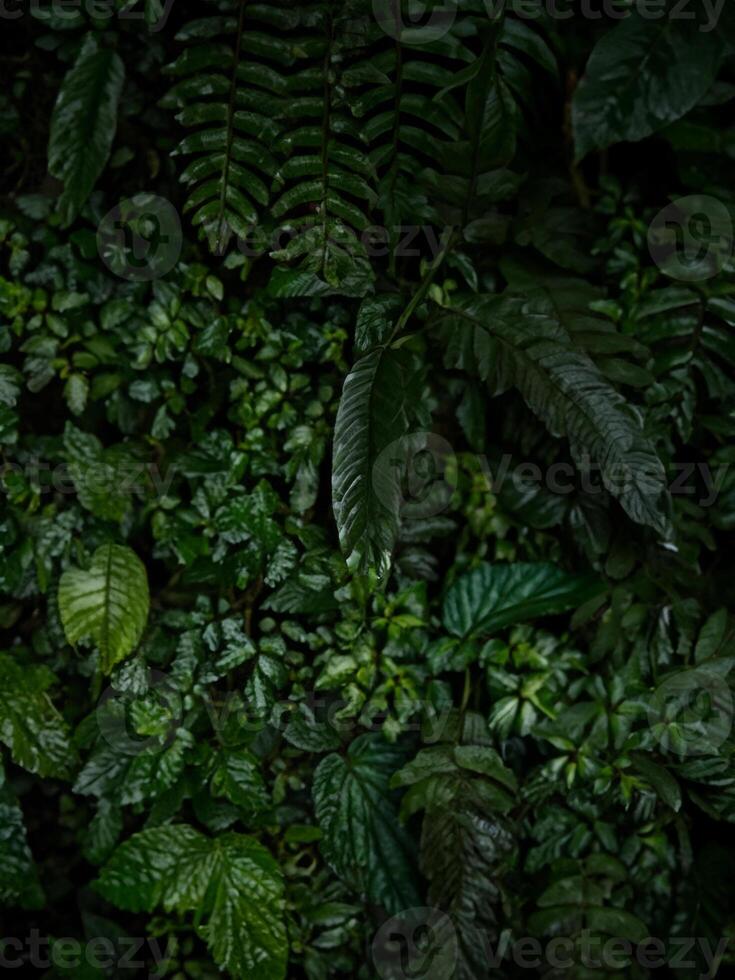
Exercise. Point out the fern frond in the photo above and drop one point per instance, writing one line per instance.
(230, 93)
(327, 181)
(400, 95)
(511, 341)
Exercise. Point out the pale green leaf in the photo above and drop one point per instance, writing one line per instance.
(106, 603)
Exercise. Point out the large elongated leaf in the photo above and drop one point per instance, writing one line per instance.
(107, 603)
(373, 415)
(83, 124)
(466, 842)
(513, 342)
(231, 882)
(642, 75)
(30, 726)
(493, 596)
(362, 838)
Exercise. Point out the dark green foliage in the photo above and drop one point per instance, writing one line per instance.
(366, 587)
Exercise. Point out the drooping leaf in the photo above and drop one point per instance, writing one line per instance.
(578, 897)
(83, 123)
(467, 841)
(372, 421)
(509, 341)
(107, 603)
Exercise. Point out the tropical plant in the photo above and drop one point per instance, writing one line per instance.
(367, 403)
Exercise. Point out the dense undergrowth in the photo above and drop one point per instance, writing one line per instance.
(366, 415)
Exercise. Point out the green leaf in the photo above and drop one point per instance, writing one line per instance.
(30, 726)
(76, 392)
(577, 898)
(492, 597)
(83, 124)
(660, 779)
(375, 320)
(238, 777)
(466, 840)
(231, 882)
(642, 75)
(107, 603)
(711, 636)
(512, 341)
(373, 417)
(10, 385)
(104, 479)
(362, 838)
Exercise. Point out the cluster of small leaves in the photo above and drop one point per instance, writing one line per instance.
(293, 644)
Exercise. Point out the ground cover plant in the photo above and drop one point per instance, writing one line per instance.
(368, 489)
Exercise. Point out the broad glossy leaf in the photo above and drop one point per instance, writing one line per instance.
(362, 838)
(643, 74)
(30, 725)
(492, 597)
(107, 603)
(231, 882)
